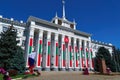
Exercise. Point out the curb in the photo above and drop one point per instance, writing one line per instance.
(17, 79)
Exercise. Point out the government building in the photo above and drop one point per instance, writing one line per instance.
(57, 43)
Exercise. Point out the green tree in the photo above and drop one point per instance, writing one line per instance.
(116, 57)
(11, 55)
(105, 54)
(18, 61)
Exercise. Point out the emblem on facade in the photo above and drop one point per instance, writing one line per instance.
(66, 39)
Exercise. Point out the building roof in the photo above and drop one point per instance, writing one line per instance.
(41, 21)
(8, 21)
(63, 20)
(102, 43)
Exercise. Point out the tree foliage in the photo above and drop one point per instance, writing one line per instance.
(116, 57)
(8, 44)
(11, 55)
(105, 54)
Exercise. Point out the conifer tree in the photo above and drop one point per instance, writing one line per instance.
(10, 53)
(105, 54)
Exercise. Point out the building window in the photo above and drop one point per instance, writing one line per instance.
(95, 46)
(59, 22)
(5, 28)
(54, 21)
(72, 26)
(23, 42)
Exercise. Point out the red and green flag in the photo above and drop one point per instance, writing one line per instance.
(30, 48)
(40, 53)
(56, 62)
(87, 52)
(76, 56)
(64, 53)
(30, 45)
(92, 58)
(48, 55)
(82, 58)
(70, 50)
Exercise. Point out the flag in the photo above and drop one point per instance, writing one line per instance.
(31, 59)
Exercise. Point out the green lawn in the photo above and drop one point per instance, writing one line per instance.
(1, 77)
(22, 76)
(18, 76)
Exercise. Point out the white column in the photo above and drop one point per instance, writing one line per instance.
(60, 52)
(88, 59)
(39, 49)
(85, 47)
(63, 52)
(80, 53)
(75, 53)
(67, 53)
(56, 51)
(90, 54)
(48, 50)
(70, 53)
(30, 44)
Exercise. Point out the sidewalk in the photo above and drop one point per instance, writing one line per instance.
(74, 75)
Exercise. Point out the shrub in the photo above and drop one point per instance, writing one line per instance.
(13, 72)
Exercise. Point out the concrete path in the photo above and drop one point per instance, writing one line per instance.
(73, 76)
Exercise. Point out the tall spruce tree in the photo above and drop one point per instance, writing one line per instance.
(11, 55)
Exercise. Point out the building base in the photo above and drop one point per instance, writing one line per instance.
(76, 69)
(37, 68)
(45, 69)
(70, 69)
(91, 69)
(63, 69)
(54, 69)
(80, 69)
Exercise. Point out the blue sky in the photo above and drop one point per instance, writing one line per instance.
(101, 18)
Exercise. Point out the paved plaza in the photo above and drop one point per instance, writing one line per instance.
(73, 76)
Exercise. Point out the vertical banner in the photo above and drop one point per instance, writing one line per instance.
(40, 53)
(30, 45)
(76, 56)
(70, 50)
(56, 61)
(87, 59)
(92, 58)
(82, 58)
(48, 55)
(64, 53)
(30, 48)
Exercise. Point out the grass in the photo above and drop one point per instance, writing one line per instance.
(18, 76)
(22, 76)
(1, 77)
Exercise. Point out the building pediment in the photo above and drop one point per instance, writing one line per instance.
(50, 24)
